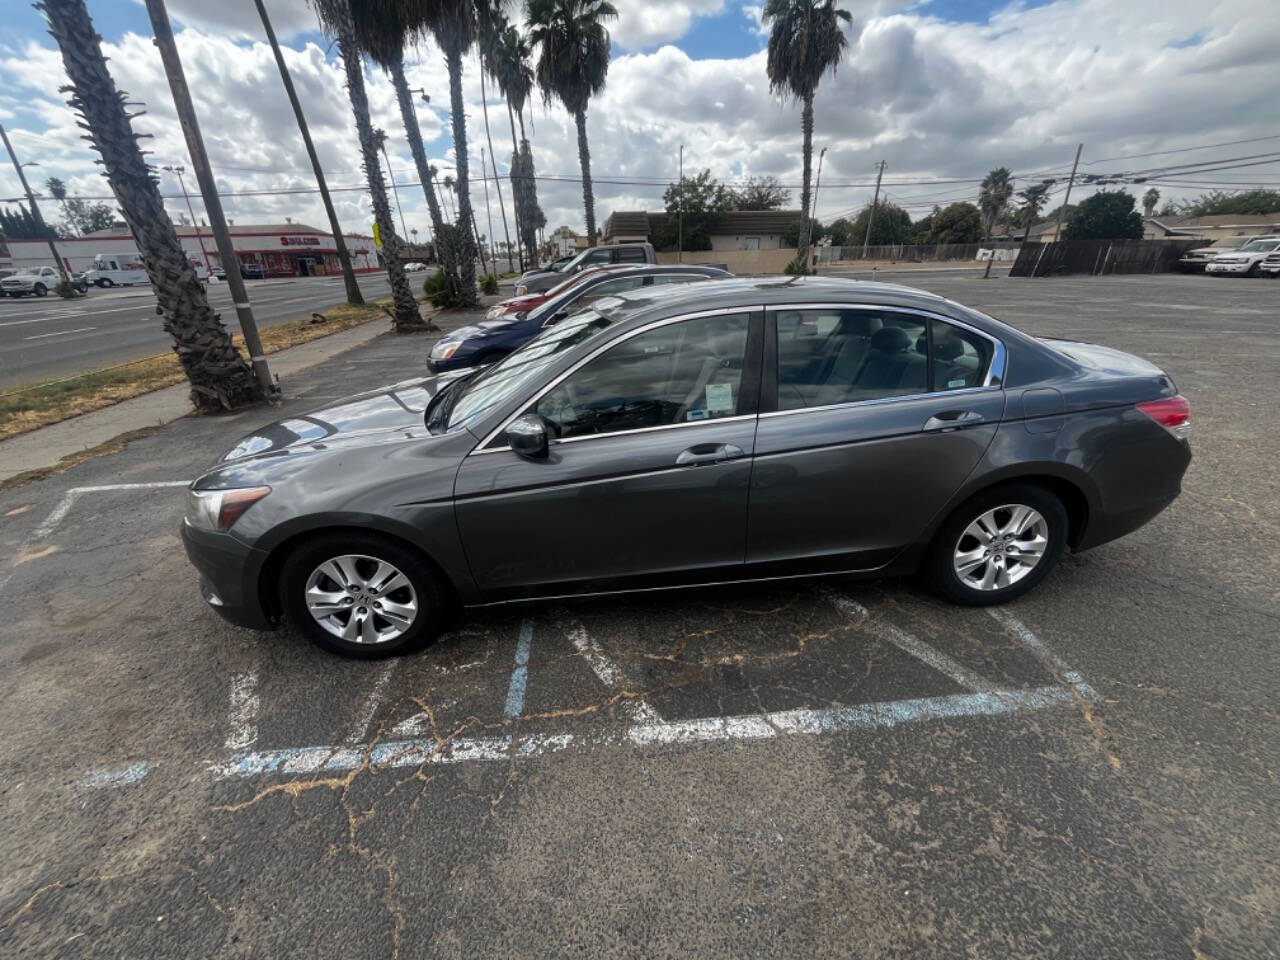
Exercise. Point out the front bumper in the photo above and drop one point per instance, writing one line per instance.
(230, 573)
(1227, 267)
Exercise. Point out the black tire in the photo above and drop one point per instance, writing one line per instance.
(1253, 270)
(938, 567)
(308, 557)
(106, 282)
(40, 290)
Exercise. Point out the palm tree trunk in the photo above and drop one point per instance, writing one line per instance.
(406, 317)
(493, 161)
(531, 194)
(584, 157)
(517, 192)
(344, 258)
(444, 247)
(806, 124)
(467, 295)
(220, 377)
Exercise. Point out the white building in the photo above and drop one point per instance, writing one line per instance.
(281, 249)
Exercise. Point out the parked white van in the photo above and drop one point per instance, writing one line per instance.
(116, 270)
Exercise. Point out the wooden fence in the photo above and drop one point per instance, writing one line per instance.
(1098, 257)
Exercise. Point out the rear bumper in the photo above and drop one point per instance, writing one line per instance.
(229, 576)
(1154, 484)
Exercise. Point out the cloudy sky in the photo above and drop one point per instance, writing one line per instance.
(942, 90)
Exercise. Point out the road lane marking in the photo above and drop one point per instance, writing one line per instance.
(116, 776)
(520, 673)
(244, 712)
(1056, 665)
(60, 333)
(608, 672)
(905, 642)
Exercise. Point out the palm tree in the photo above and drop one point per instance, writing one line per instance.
(381, 31)
(993, 197)
(336, 16)
(452, 23)
(1149, 201)
(1033, 200)
(514, 77)
(806, 41)
(340, 244)
(220, 377)
(449, 186)
(573, 59)
(490, 23)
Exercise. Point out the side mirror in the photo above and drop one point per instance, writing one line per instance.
(527, 436)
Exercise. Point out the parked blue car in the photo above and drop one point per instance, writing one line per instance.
(490, 340)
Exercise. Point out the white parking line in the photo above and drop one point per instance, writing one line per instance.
(905, 642)
(361, 727)
(417, 752)
(1057, 666)
(244, 712)
(609, 673)
(520, 672)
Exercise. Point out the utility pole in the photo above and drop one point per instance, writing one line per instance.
(178, 172)
(680, 212)
(339, 244)
(208, 190)
(392, 174)
(35, 209)
(813, 210)
(871, 217)
(1057, 231)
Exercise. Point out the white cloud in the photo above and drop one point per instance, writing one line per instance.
(642, 24)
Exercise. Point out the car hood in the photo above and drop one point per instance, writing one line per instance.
(482, 329)
(387, 415)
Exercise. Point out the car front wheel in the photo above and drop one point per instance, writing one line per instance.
(998, 545)
(40, 290)
(361, 596)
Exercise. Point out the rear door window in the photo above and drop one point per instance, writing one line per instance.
(630, 255)
(960, 357)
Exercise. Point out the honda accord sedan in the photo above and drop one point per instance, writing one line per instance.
(674, 436)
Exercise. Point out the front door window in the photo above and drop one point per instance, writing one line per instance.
(679, 373)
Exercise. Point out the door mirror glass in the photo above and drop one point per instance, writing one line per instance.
(527, 436)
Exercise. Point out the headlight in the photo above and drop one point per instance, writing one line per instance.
(218, 510)
(521, 289)
(444, 349)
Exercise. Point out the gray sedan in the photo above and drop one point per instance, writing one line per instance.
(724, 431)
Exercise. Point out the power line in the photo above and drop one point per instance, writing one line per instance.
(1162, 153)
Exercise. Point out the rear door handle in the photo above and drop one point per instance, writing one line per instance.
(953, 420)
(709, 453)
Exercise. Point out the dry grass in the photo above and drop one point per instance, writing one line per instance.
(41, 404)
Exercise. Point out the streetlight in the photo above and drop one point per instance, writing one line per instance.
(178, 172)
(35, 209)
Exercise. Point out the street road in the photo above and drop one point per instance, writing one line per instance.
(47, 337)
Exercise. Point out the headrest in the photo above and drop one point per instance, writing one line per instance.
(890, 340)
(860, 324)
(947, 349)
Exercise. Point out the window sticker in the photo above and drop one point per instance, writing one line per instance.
(697, 415)
(720, 397)
(955, 383)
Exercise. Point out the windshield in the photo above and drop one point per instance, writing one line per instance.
(518, 371)
(1260, 246)
(1227, 243)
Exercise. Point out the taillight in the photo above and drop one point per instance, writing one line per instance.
(1172, 413)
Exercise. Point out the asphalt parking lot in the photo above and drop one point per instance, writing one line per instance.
(823, 769)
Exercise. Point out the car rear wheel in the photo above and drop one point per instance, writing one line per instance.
(105, 282)
(40, 290)
(361, 596)
(998, 545)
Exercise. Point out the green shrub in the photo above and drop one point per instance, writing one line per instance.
(489, 285)
(439, 290)
(798, 265)
(65, 290)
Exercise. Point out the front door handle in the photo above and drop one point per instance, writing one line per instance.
(953, 420)
(709, 453)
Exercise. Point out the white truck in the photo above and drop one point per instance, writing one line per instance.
(36, 280)
(116, 270)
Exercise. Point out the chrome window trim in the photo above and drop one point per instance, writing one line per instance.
(482, 447)
(996, 370)
(881, 400)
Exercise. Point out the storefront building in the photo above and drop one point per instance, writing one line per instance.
(280, 249)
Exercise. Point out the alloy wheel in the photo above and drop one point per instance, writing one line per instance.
(361, 599)
(1000, 547)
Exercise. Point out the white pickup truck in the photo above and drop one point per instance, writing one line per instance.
(36, 280)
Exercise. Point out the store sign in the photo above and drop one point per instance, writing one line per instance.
(300, 241)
